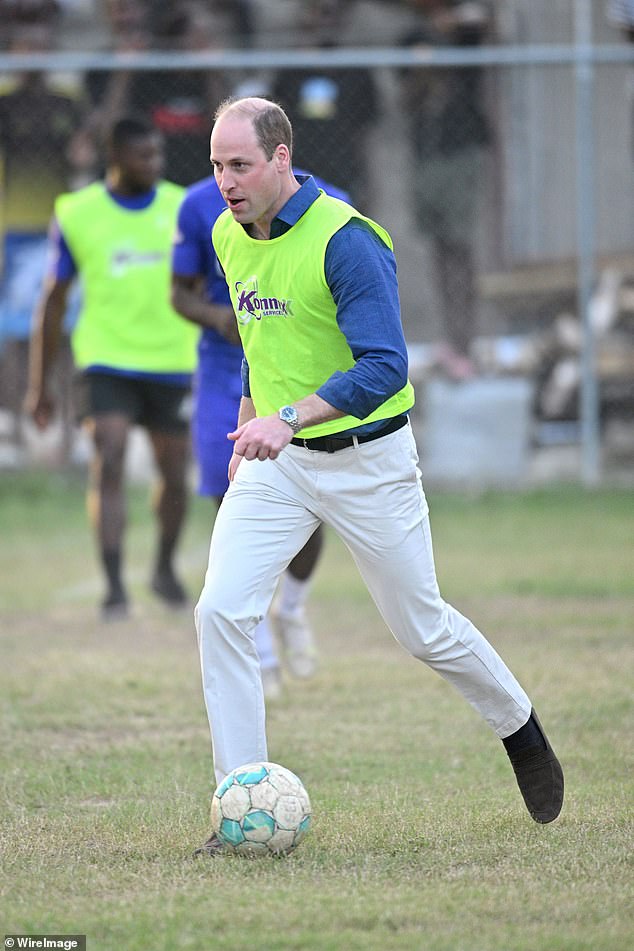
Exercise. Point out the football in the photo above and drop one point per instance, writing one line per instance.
(260, 809)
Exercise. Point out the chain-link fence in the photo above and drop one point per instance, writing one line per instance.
(504, 174)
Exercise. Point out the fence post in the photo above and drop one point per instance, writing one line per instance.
(586, 263)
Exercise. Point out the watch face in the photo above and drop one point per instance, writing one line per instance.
(289, 415)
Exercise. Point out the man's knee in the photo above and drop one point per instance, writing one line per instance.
(425, 634)
(110, 443)
(111, 463)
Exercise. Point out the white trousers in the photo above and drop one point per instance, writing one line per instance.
(372, 496)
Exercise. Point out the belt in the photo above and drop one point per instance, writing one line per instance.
(335, 443)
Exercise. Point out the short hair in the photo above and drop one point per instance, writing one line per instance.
(271, 124)
(125, 130)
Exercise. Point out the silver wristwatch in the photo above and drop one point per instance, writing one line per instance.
(289, 415)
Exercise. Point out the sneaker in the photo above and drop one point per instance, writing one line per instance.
(297, 641)
(271, 683)
(167, 586)
(212, 846)
(540, 779)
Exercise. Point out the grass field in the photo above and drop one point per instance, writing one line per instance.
(420, 839)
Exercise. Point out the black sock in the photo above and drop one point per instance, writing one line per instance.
(112, 563)
(527, 735)
(164, 556)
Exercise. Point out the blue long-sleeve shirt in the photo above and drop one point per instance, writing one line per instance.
(361, 274)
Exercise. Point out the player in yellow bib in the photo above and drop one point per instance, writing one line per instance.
(323, 436)
(135, 355)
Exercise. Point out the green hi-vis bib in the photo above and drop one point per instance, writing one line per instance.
(286, 314)
(123, 258)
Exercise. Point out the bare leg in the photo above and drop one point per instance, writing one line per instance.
(106, 503)
(171, 451)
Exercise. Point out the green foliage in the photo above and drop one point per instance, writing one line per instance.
(420, 838)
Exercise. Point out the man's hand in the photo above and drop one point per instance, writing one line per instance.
(189, 299)
(259, 438)
(265, 437)
(45, 338)
(225, 323)
(234, 462)
(40, 407)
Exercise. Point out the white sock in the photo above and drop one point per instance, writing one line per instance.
(292, 594)
(264, 645)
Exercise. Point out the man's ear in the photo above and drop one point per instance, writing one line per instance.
(282, 157)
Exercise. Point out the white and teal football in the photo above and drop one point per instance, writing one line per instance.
(259, 809)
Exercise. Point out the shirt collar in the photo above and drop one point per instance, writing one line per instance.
(296, 206)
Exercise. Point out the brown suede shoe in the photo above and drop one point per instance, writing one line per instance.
(540, 778)
(212, 846)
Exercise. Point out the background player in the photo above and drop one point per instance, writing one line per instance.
(200, 293)
(134, 353)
